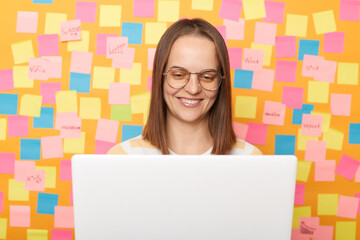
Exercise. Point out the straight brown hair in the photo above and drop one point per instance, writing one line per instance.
(220, 121)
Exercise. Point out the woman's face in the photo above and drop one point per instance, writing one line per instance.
(191, 103)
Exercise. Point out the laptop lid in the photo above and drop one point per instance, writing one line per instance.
(183, 197)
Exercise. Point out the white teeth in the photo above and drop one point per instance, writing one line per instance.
(187, 101)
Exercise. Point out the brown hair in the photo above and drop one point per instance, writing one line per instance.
(220, 122)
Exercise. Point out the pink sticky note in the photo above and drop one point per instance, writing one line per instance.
(256, 133)
(124, 60)
(274, 113)
(357, 175)
(235, 29)
(7, 163)
(349, 10)
(52, 147)
(116, 46)
(18, 126)
(274, 12)
(324, 233)
(253, 59)
(119, 93)
(1, 201)
(81, 62)
(69, 125)
(326, 72)
(102, 147)
(35, 180)
(340, 104)
(62, 118)
(315, 150)
(293, 97)
(61, 234)
(263, 80)
(299, 194)
(48, 91)
(265, 33)
(357, 195)
(222, 31)
(149, 84)
(70, 30)
(240, 130)
(54, 66)
(101, 40)
(6, 80)
(308, 227)
(334, 42)
(285, 46)
(38, 69)
(347, 207)
(285, 71)
(347, 167)
(230, 9)
(151, 55)
(85, 11)
(311, 65)
(65, 170)
(19, 216)
(64, 217)
(107, 130)
(325, 171)
(235, 57)
(22, 168)
(311, 125)
(143, 8)
(27, 22)
(48, 44)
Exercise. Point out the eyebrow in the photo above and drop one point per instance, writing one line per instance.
(207, 69)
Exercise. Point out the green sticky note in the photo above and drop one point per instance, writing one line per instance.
(121, 112)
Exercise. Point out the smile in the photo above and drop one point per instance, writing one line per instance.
(190, 102)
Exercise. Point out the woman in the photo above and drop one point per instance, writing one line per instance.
(190, 109)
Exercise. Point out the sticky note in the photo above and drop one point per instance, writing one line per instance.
(119, 93)
(48, 91)
(285, 46)
(348, 73)
(130, 131)
(70, 30)
(35, 180)
(315, 151)
(309, 47)
(254, 9)
(37, 234)
(296, 25)
(38, 69)
(46, 203)
(265, 33)
(133, 31)
(110, 15)
(21, 77)
(66, 101)
(324, 22)
(143, 8)
(274, 12)
(50, 176)
(80, 82)
(311, 125)
(325, 171)
(85, 11)
(299, 194)
(132, 76)
(345, 230)
(82, 45)
(17, 191)
(90, 108)
(285, 71)
(22, 168)
(116, 46)
(318, 92)
(151, 56)
(263, 80)
(235, 29)
(102, 147)
(347, 167)
(326, 119)
(65, 170)
(69, 124)
(124, 60)
(75, 145)
(48, 44)
(3, 127)
(293, 97)
(154, 31)
(18, 126)
(19, 216)
(3, 228)
(30, 149)
(52, 22)
(140, 103)
(340, 104)
(311, 65)
(64, 217)
(54, 66)
(243, 78)
(168, 11)
(285, 144)
(6, 80)
(301, 141)
(349, 10)
(235, 57)
(326, 72)
(240, 130)
(357, 195)
(347, 207)
(101, 40)
(245, 107)
(230, 10)
(298, 213)
(43, 1)
(7, 161)
(327, 204)
(274, 113)
(8, 103)
(51, 147)
(27, 22)
(334, 42)
(354, 133)
(22, 51)
(102, 77)
(107, 130)
(308, 227)
(256, 133)
(267, 52)
(30, 105)
(81, 62)
(298, 113)
(333, 138)
(149, 84)
(206, 5)
(253, 59)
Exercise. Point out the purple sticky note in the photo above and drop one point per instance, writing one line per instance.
(235, 57)
(299, 194)
(274, 12)
(61, 234)
(65, 170)
(48, 44)
(334, 42)
(347, 167)
(263, 80)
(144, 8)
(230, 9)
(256, 133)
(265, 33)
(285, 71)
(235, 29)
(349, 10)
(7, 163)
(48, 91)
(102, 147)
(85, 11)
(6, 80)
(81, 62)
(27, 22)
(18, 126)
(101, 40)
(293, 97)
(285, 46)
(240, 130)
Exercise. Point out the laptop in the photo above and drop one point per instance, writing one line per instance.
(166, 197)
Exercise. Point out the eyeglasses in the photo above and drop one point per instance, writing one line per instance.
(209, 79)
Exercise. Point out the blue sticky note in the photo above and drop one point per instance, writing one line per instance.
(46, 119)
(43, 1)
(285, 144)
(308, 47)
(46, 203)
(130, 131)
(30, 149)
(80, 82)
(8, 104)
(243, 78)
(354, 133)
(298, 113)
(133, 31)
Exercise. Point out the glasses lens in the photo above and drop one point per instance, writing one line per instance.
(209, 80)
(177, 78)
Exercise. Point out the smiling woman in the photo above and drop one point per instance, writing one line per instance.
(190, 108)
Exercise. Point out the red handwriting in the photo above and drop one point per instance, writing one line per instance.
(37, 69)
(251, 60)
(70, 127)
(117, 49)
(36, 178)
(312, 67)
(72, 31)
(309, 126)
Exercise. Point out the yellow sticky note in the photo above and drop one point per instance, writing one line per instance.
(268, 52)
(318, 92)
(326, 120)
(348, 73)
(154, 31)
(110, 15)
(296, 25)
(254, 9)
(50, 176)
(22, 51)
(3, 127)
(324, 22)
(345, 230)
(17, 191)
(334, 139)
(298, 213)
(132, 76)
(245, 107)
(327, 204)
(202, 5)
(90, 108)
(66, 101)
(103, 76)
(303, 170)
(21, 77)
(30, 105)
(168, 11)
(52, 22)
(37, 234)
(140, 103)
(82, 45)
(75, 145)
(3, 228)
(301, 140)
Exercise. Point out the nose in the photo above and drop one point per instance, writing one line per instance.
(193, 85)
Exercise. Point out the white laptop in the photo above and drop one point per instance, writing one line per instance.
(206, 197)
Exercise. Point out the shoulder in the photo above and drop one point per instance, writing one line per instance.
(135, 145)
(242, 147)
